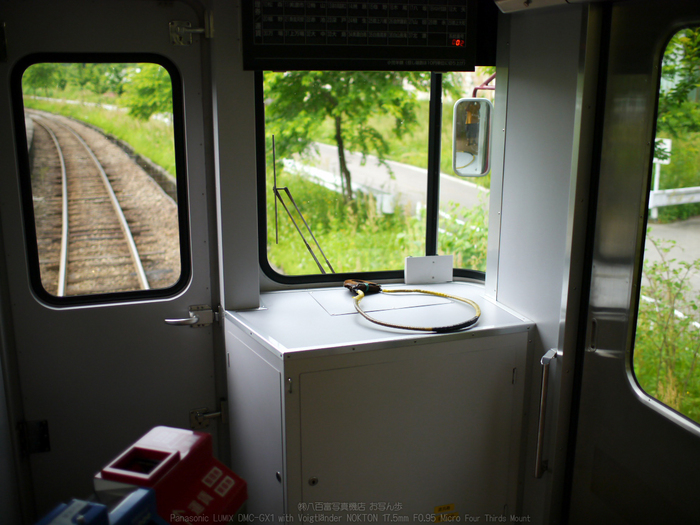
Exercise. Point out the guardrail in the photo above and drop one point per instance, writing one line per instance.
(659, 198)
(386, 202)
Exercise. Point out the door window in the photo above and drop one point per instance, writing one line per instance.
(101, 178)
(666, 354)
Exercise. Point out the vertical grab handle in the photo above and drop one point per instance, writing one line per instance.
(540, 464)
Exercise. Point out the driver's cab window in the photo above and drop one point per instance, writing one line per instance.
(346, 157)
(666, 358)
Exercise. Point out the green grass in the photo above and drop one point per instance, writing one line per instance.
(357, 238)
(354, 236)
(152, 139)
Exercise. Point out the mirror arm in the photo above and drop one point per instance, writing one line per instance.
(484, 86)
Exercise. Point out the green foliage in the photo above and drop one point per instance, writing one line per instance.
(299, 102)
(667, 338)
(148, 91)
(98, 77)
(380, 114)
(49, 78)
(465, 236)
(99, 87)
(679, 119)
(40, 78)
(678, 112)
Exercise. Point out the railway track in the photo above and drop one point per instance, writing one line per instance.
(93, 229)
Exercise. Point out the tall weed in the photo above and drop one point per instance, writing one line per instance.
(667, 340)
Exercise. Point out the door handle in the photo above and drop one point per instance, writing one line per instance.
(200, 315)
(541, 464)
(185, 321)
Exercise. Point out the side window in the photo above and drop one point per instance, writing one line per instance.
(347, 191)
(101, 192)
(666, 354)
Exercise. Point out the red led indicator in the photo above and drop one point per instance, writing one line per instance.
(458, 42)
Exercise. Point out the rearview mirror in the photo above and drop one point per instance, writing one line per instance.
(471, 137)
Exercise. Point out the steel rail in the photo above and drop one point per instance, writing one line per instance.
(140, 273)
(63, 258)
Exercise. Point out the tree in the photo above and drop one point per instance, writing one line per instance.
(679, 112)
(679, 118)
(42, 75)
(109, 78)
(98, 78)
(148, 91)
(298, 103)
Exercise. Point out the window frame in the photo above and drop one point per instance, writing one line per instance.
(632, 376)
(24, 175)
(432, 198)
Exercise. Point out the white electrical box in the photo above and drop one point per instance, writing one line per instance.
(332, 415)
(428, 269)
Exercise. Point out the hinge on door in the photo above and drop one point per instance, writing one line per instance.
(181, 31)
(34, 436)
(200, 417)
(205, 313)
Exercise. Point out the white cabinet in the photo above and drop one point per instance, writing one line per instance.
(333, 415)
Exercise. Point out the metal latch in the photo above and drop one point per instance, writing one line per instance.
(181, 31)
(200, 315)
(200, 417)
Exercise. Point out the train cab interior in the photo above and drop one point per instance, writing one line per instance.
(543, 372)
